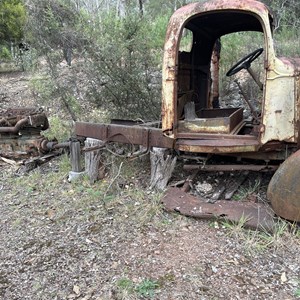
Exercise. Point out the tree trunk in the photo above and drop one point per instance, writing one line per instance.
(94, 166)
(162, 166)
(122, 7)
(141, 7)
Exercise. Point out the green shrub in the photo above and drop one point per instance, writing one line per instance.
(287, 42)
(58, 129)
(147, 288)
(124, 69)
(4, 53)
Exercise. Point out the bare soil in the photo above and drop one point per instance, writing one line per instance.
(113, 240)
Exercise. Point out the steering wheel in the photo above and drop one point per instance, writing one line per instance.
(245, 62)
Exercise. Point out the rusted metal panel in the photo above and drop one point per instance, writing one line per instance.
(136, 135)
(217, 145)
(174, 31)
(213, 136)
(297, 111)
(281, 94)
(215, 66)
(254, 215)
(20, 133)
(278, 106)
(284, 189)
(293, 64)
(229, 168)
(223, 120)
(14, 119)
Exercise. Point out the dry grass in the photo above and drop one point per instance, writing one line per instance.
(113, 240)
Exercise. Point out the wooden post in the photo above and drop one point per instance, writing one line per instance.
(162, 166)
(75, 161)
(75, 156)
(94, 168)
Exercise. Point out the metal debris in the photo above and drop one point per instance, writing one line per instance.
(20, 133)
(229, 168)
(253, 215)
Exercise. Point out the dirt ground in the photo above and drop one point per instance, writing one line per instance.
(113, 240)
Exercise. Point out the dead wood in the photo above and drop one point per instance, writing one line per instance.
(162, 166)
(94, 166)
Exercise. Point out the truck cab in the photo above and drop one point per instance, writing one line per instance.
(192, 113)
(196, 119)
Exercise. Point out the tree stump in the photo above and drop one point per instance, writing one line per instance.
(94, 166)
(162, 167)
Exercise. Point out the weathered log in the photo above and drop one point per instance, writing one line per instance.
(162, 166)
(94, 166)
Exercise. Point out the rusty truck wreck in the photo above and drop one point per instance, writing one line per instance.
(193, 119)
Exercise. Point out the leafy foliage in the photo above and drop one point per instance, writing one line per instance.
(123, 66)
(286, 13)
(120, 55)
(118, 45)
(12, 21)
(52, 26)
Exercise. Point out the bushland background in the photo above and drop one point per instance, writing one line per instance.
(113, 48)
(92, 60)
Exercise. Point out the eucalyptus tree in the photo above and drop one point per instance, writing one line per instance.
(12, 21)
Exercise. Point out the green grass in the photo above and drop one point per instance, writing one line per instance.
(125, 286)
(282, 234)
(245, 192)
(146, 289)
(47, 196)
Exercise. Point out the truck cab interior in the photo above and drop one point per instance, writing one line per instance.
(201, 104)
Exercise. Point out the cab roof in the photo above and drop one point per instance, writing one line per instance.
(219, 17)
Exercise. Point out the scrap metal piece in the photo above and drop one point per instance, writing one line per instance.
(254, 215)
(284, 189)
(20, 133)
(218, 120)
(229, 168)
(13, 120)
(187, 184)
